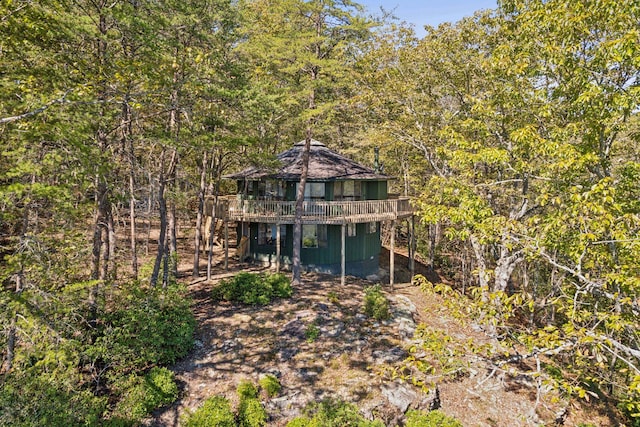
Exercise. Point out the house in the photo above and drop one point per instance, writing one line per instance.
(345, 205)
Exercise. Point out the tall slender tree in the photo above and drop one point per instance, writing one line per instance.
(307, 49)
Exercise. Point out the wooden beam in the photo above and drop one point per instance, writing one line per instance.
(392, 251)
(226, 245)
(343, 253)
(412, 247)
(277, 247)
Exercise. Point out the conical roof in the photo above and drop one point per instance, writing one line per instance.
(324, 165)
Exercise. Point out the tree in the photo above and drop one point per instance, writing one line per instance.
(526, 119)
(305, 48)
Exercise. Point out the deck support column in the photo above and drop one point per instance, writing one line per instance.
(226, 245)
(392, 251)
(343, 252)
(277, 247)
(412, 246)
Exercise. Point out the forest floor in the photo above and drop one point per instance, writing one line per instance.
(350, 356)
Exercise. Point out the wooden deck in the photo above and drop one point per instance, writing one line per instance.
(313, 212)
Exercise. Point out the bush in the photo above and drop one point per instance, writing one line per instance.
(271, 385)
(430, 419)
(253, 289)
(375, 303)
(148, 327)
(247, 390)
(36, 398)
(332, 413)
(141, 395)
(215, 411)
(251, 413)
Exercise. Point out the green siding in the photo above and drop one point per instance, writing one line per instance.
(375, 190)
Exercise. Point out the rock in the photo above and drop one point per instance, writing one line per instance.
(308, 374)
(286, 354)
(333, 329)
(294, 329)
(400, 395)
(321, 307)
(361, 317)
(373, 278)
(391, 355)
(406, 328)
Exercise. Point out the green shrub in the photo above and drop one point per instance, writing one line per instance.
(271, 385)
(147, 327)
(215, 411)
(332, 413)
(253, 289)
(375, 303)
(251, 413)
(431, 419)
(38, 398)
(141, 395)
(247, 390)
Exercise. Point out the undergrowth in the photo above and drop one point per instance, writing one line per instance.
(253, 288)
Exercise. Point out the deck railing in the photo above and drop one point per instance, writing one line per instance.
(313, 212)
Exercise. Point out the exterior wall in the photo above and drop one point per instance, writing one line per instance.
(362, 251)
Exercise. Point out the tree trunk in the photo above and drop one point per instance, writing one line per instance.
(127, 141)
(216, 166)
(481, 265)
(297, 224)
(173, 239)
(199, 216)
(505, 266)
(162, 202)
(163, 230)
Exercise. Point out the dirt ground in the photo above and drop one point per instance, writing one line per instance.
(236, 343)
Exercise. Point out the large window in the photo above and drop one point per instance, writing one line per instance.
(274, 190)
(347, 190)
(314, 236)
(267, 234)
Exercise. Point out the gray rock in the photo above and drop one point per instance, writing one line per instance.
(400, 395)
(394, 354)
(286, 354)
(294, 329)
(333, 329)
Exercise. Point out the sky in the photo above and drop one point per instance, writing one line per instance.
(431, 12)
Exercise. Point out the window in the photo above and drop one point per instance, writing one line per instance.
(309, 236)
(267, 234)
(347, 190)
(312, 190)
(351, 230)
(274, 190)
(314, 236)
(372, 227)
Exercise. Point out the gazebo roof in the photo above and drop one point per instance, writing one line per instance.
(324, 165)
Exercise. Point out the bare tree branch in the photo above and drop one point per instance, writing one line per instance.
(28, 114)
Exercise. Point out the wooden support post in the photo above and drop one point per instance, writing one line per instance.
(392, 251)
(278, 248)
(226, 245)
(412, 247)
(343, 253)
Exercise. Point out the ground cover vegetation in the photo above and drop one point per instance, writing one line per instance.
(515, 132)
